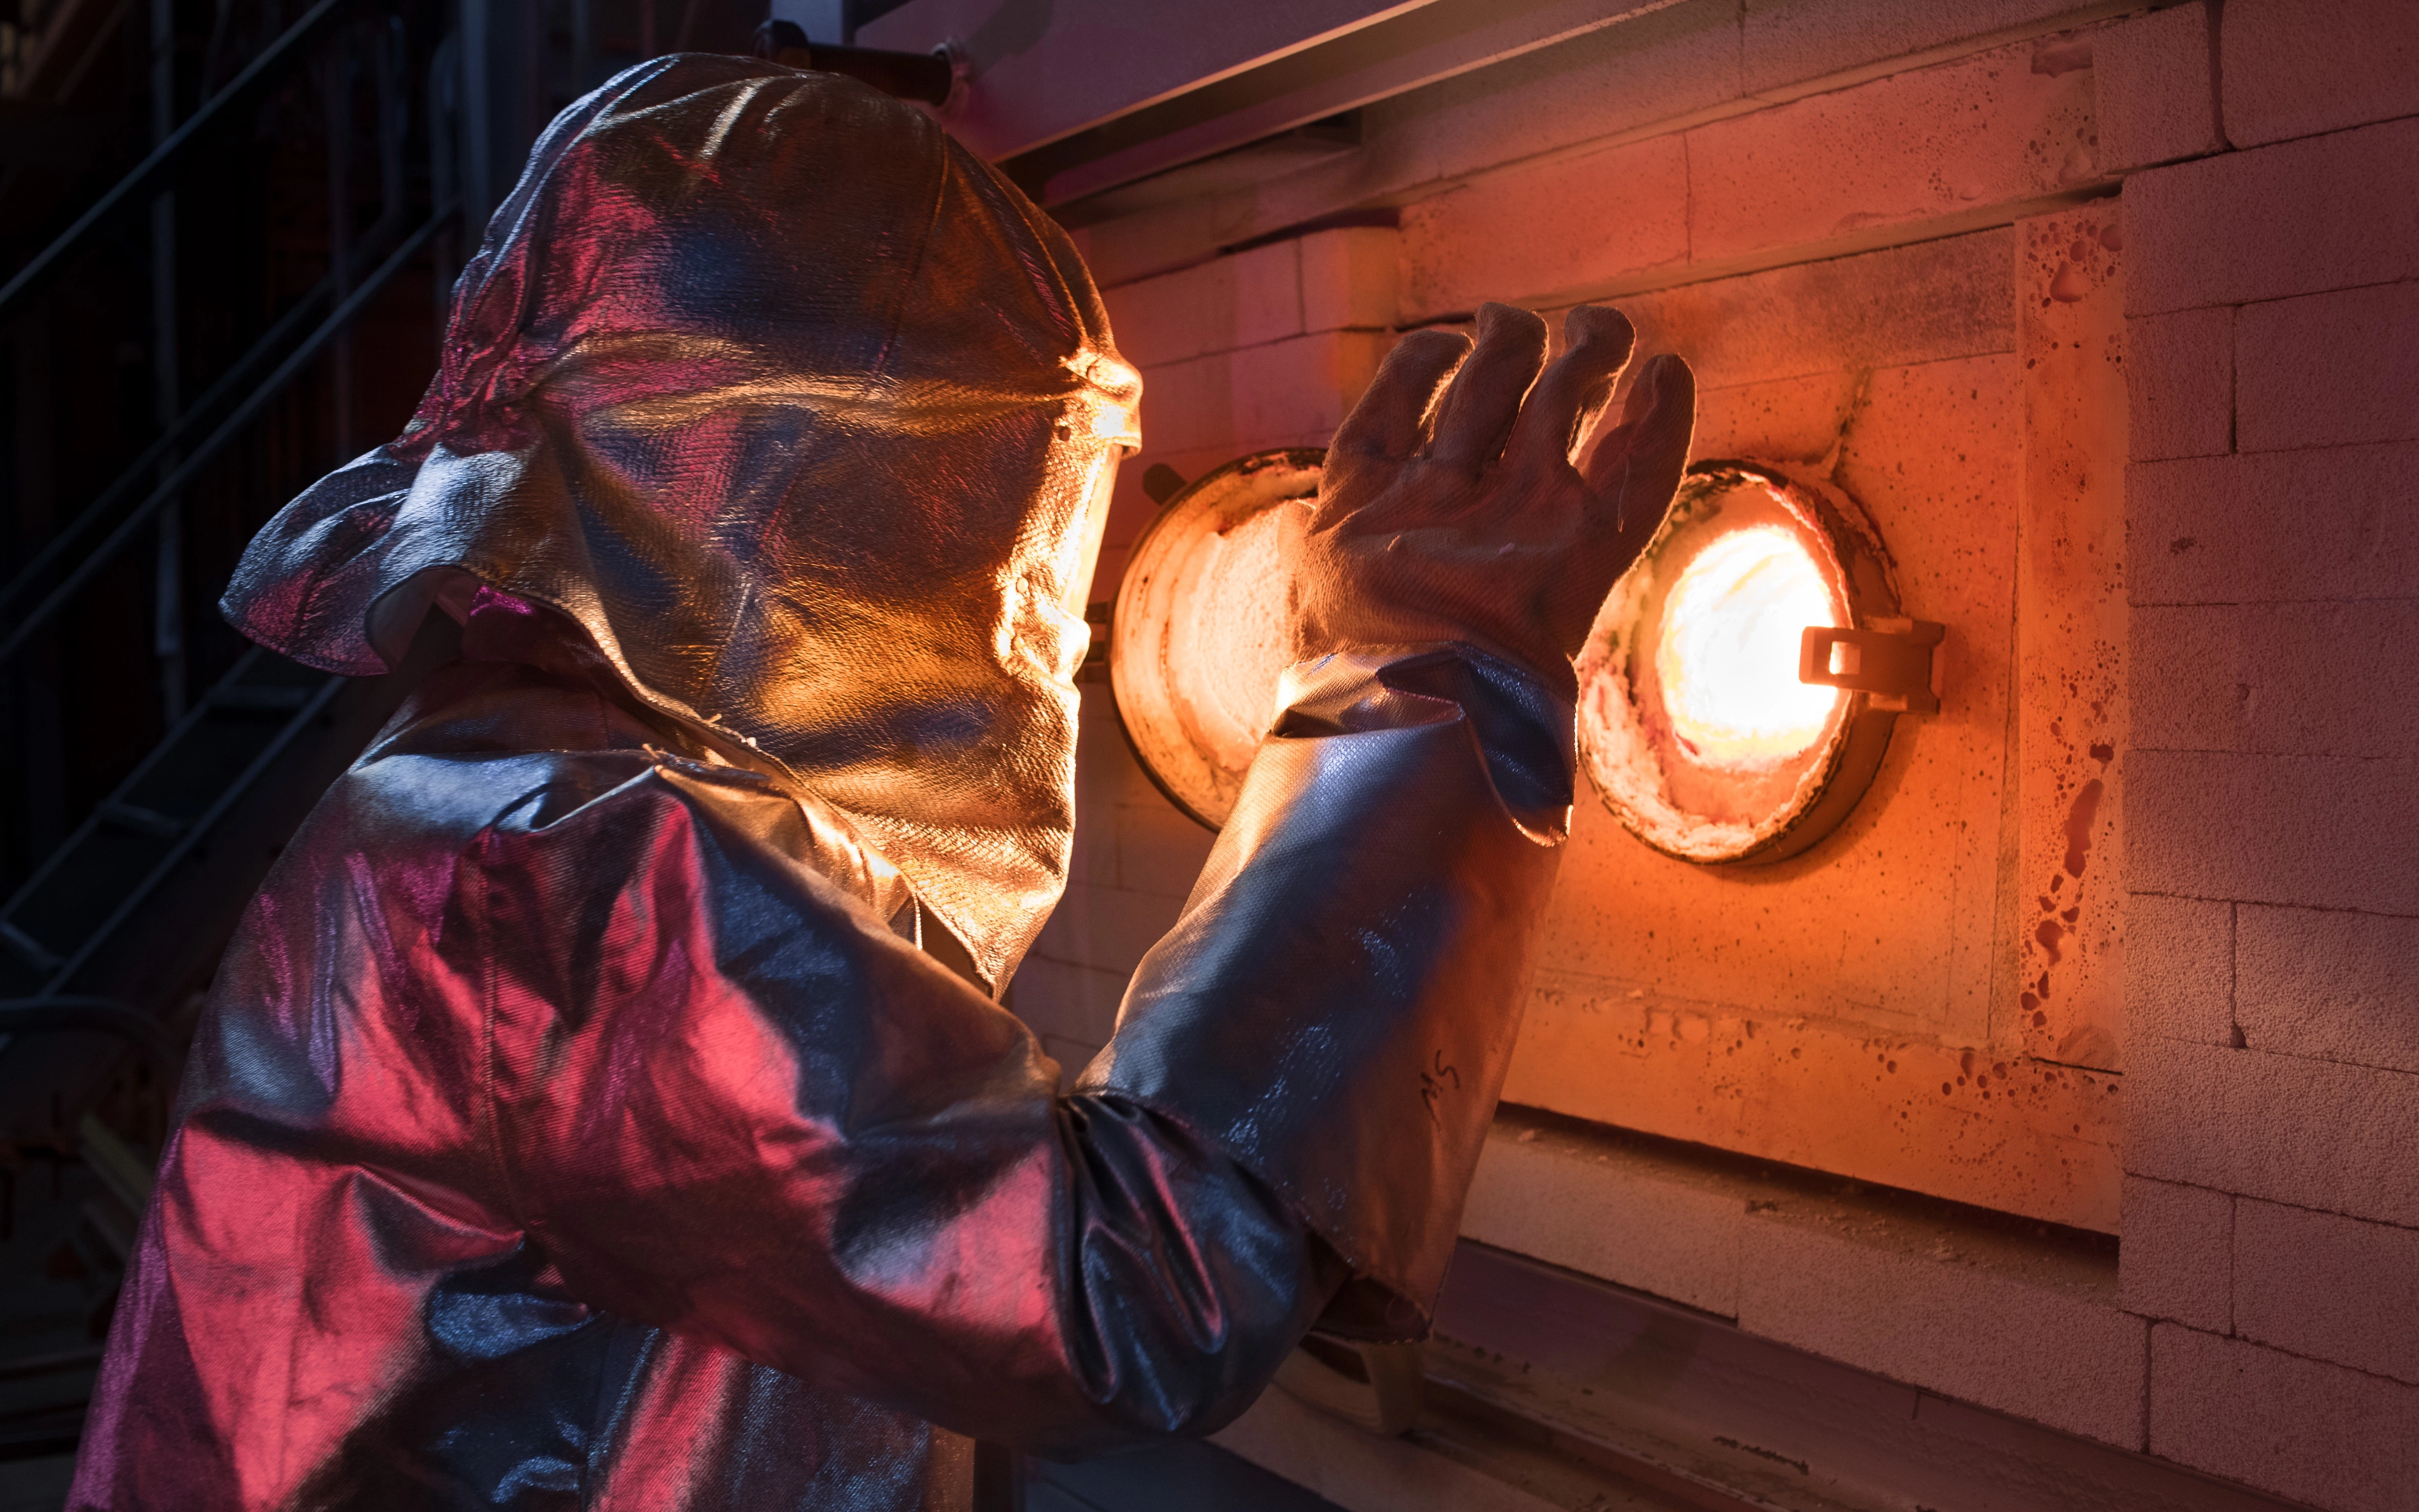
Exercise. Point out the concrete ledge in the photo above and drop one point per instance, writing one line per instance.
(2018, 1317)
(1360, 1471)
(1547, 1389)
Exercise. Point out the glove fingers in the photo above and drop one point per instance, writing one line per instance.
(1633, 470)
(1575, 388)
(1390, 420)
(1479, 409)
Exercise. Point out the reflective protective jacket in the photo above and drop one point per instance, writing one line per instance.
(575, 1120)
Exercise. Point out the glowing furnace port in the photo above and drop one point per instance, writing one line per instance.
(1737, 693)
(1727, 655)
(1200, 636)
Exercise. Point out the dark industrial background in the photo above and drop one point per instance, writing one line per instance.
(227, 228)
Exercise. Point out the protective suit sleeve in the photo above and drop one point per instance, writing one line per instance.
(730, 1102)
(1336, 1006)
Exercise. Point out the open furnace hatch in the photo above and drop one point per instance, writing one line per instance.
(1738, 688)
(1199, 636)
(1735, 695)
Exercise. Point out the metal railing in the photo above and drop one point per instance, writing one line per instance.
(83, 892)
(449, 105)
(75, 577)
(155, 172)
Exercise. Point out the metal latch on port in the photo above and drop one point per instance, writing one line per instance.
(1886, 656)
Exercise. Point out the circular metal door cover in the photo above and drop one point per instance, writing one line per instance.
(1202, 632)
(1739, 686)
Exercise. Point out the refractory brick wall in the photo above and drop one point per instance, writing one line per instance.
(2271, 1205)
(2261, 163)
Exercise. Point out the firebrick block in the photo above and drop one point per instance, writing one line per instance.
(2325, 212)
(1912, 147)
(2179, 401)
(2329, 1287)
(1581, 222)
(2155, 100)
(2178, 954)
(1784, 41)
(2326, 523)
(2308, 1133)
(2328, 370)
(2316, 1432)
(2329, 986)
(1240, 301)
(2317, 831)
(2057, 1353)
(2298, 66)
(2325, 679)
(1349, 278)
(2179, 1254)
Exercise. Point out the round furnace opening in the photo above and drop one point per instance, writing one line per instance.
(1201, 632)
(1722, 713)
(1727, 651)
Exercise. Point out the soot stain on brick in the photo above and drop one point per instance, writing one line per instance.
(2047, 937)
(2078, 825)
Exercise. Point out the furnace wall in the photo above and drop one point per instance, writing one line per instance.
(2259, 173)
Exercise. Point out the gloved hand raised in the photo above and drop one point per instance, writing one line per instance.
(1468, 519)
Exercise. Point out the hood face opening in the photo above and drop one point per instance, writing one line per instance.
(1726, 652)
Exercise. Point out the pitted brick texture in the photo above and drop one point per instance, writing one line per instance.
(2182, 951)
(2180, 384)
(1786, 40)
(2324, 678)
(2332, 1288)
(2337, 212)
(2298, 66)
(2332, 1436)
(2156, 104)
(2048, 1352)
(2308, 1133)
(2327, 523)
(2177, 1258)
(2334, 369)
(2329, 986)
(2319, 831)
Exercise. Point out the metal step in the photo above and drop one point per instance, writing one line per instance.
(142, 821)
(77, 899)
(28, 949)
(269, 700)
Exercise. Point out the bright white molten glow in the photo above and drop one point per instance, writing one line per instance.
(1727, 657)
(1229, 637)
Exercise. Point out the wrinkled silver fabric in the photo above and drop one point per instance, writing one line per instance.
(809, 418)
(570, 1126)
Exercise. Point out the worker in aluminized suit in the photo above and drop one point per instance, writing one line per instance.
(577, 1120)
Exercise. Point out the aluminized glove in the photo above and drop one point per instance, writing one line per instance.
(1473, 520)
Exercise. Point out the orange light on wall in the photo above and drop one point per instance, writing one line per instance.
(1739, 687)
(1200, 635)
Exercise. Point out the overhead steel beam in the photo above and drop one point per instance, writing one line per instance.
(1045, 70)
(1400, 54)
(1066, 125)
